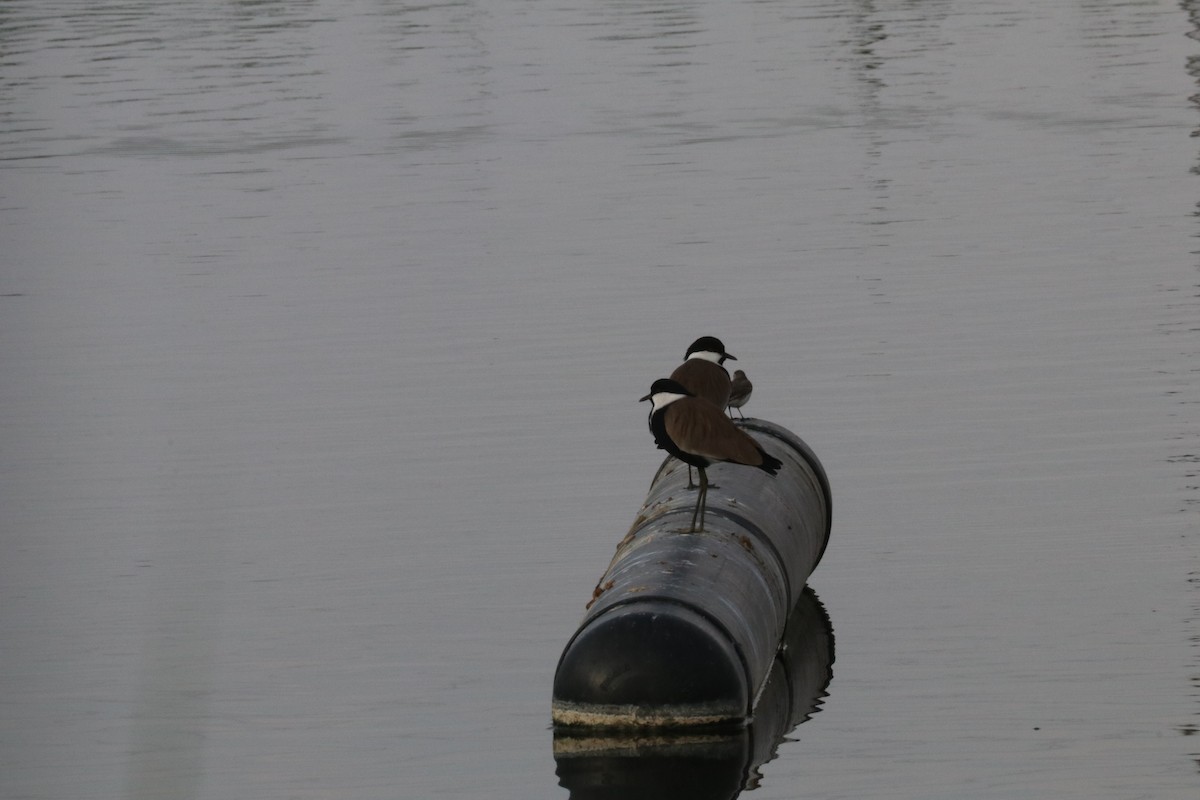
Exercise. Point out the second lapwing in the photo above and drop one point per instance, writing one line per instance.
(699, 434)
(702, 374)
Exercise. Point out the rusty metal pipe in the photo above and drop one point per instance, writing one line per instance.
(683, 627)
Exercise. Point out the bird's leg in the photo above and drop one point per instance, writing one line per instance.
(740, 414)
(692, 485)
(700, 498)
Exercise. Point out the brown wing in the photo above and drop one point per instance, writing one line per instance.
(697, 426)
(704, 379)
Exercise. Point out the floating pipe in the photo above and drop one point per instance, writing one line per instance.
(687, 764)
(683, 627)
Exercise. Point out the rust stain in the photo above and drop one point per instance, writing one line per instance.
(600, 589)
(628, 538)
(746, 543)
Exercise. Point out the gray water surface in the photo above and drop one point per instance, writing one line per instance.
(322, 326)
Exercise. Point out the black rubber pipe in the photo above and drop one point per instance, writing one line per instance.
(687, 764)
(683, 627)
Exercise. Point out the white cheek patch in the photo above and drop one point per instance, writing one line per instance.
(706, 355)
(664, 399)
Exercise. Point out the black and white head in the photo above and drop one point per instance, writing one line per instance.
(663, 392)
(709, 348)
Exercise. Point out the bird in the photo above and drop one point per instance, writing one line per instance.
(699, 434)
(701, 374)
(739, 392)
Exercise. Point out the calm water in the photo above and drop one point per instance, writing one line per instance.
(322, 326)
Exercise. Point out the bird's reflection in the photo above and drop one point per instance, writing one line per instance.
(704, 765)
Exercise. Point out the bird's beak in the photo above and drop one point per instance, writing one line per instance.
(730, 356)
(644, 399)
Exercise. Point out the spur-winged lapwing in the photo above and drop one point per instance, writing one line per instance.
(701, 374)
(698, 433)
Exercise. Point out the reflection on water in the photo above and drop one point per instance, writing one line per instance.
(708, 765)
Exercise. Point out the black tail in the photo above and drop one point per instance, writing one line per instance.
(770, 464)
